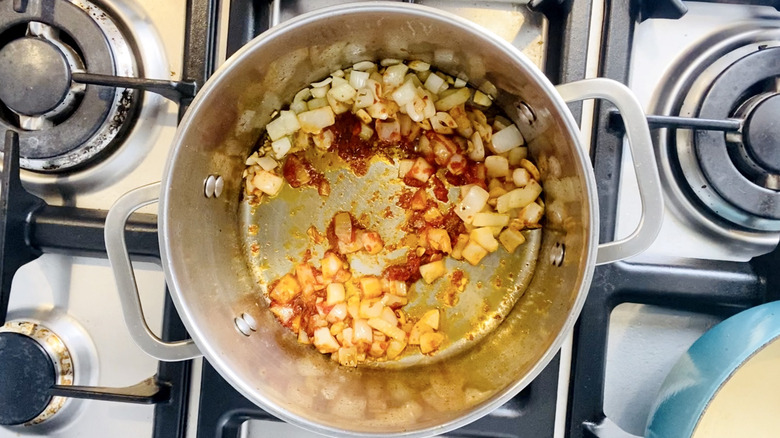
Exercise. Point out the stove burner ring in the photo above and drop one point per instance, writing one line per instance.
(728, 90)
(757, 151)
(64, 132)
(32, 360)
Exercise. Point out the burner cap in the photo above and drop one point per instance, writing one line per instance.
(762, 134)
(26, 375)
(36, 76)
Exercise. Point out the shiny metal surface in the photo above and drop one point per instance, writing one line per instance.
(269, 367)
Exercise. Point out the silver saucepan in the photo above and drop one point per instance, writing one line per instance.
(202, 238)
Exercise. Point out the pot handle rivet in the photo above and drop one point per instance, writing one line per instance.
(242, 326)
(557, 254)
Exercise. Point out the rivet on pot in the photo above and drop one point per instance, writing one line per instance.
(219, 184)
(250, 321)
(526, 113)
(242, 326)
(209, 185)
(557, 254)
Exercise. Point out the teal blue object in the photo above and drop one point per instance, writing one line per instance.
(706, 366)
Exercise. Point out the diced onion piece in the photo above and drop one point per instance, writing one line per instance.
(439, 239)
(284, 313)
(389, 61)
(324, 140)
(393, 301)
(303, 337)
(404, 166)
(357, 79)
(336, 105)
(531, 214)
(516, 155)
(364, 117)
(267, 163)
(362, 332)
(388, 130)
(313, 121)
(486, 219)
(286, 124)
(430, 342)
(418, 330)
(519, 198)
(497, 166)
(335, 293)
(459, 83)
(421, 170)
(484, 237)
(477, 149)
(348, 356)
(387, 328)
(322, 83)
(370, 309)
(364, 98)
(364, 66)
(459, 97)
(474, 252)
(394, 76)
(372, 242)
(342, 225)
(482, 99)
(317, 103)
(389, 316)
(281, 147)
(443, 123)
(324, 341)
(285, 289)
(267, 182)
(419, 65)
(405, 94)
(343, 92)
(395, 348)
(460, 244)
(320, 92)
(511, 239)
(431, 318)
(430, 272)
(299, 107)
(365, 132)
(435, 84)
(506, 139)
(472, 203)
(337, 313)
(531, 168)
(371, 287)
(521, 177)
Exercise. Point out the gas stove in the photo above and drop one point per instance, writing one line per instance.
(109, 81)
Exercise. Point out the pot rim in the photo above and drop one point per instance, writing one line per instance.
(212, 86)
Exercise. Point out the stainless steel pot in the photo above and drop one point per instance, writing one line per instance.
(206, 268)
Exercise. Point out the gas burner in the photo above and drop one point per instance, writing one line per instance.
(734, 175)
(33, 360)
(63, 125)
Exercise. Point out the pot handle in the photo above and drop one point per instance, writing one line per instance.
(643, 157)
(119, 258)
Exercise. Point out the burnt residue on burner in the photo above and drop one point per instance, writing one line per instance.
(72, 132)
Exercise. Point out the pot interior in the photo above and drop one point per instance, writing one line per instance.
(203, 238)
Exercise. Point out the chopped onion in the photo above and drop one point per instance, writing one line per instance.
(315, 103)
(343, 92)
(362, 332)
(320, 92)
(472, 203)
(430, 272)
(364, 98)
(488, 219)
(520, 177)
(497, 166)
(342, 224)
(285, 124)
(404, 166)
(387, 328)
(322, 83)
(388, 130)
(443, 123)
(459, 83)
(389, 61)
(394, 76)
(430, 342)
(267, 163)
(435, 84)
(482, 99)
(474, 252)
(281, 147)
(313, 121)
(460, 96)
(357, 79)
(267, 182)
(405, 94)
(324, 341)
(511, 239)
(519, 198)
(421, 170)
(364, 66)
(506, 140)
(476, 149)
(516, 155)
(419, 66)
